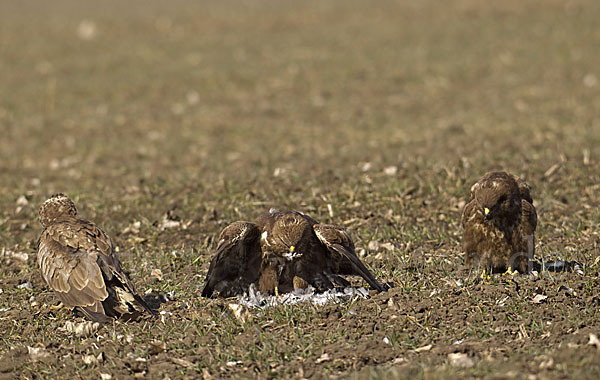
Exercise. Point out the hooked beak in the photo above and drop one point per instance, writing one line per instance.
(486, 211)
(292, 249)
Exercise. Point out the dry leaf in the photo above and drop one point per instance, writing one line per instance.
(18, 256)
(387, 246)
(539, 298)
(547, 362)
(22, 201)
(182, 362)
(323, 358)
(551, 170)
(373, 245)
(91, 359)
(240, 312)
(156, 273)
(156, 347)
(167, 223)
(81, 330)
(424, 348)
(37, 353)
(390, 170)
(459, 359)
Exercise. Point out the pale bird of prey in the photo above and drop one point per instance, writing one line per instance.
(283, 251)
(499, 224)
(78, 262)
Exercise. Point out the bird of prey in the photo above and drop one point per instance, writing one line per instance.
(77, 260)
(283, 251)
(499, 224)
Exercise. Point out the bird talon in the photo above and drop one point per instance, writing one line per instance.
(484, 276)
(57, 307)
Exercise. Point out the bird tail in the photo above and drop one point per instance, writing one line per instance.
(95, 312)
(123, 302)
(144, 305)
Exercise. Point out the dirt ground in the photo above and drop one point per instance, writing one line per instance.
(167, 121)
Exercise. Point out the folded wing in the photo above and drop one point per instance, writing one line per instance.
(77, 261)
(339, 244)
(236, 264)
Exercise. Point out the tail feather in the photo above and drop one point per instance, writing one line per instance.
(95, 312)
(144, 305)
(124, 303)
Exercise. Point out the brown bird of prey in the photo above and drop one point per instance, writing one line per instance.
(499, 224)
(77, 260)
(283, 251)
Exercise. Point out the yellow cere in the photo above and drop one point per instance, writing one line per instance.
(486, 210)
(292, 248)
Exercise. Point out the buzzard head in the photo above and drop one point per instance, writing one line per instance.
(288, 236)
(58, 205)
(498, 197)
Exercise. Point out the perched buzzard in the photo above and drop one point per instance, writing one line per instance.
(78, 262)
(499, 223)
(282, 251)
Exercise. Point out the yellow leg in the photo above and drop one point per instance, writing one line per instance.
(509, 271)
(276, 291)
(57, 307)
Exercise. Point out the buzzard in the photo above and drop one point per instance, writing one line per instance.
(77, 260)
(499, 224)
(283, 251)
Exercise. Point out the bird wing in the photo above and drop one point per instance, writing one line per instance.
(474, 231)
(529, 216)
(237, 261)
(67, 258)
(470, 213)
(123, 298)
(528, 226)
(77, 260)
(339, 243)
(524, 188)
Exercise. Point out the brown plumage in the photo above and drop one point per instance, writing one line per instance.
(286, 251)
(77, 260)
(499, 223)
(237, 261)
